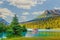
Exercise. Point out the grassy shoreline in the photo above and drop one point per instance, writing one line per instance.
(33, 38)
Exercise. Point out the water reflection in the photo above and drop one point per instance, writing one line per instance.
(3, 35)
(34, 33)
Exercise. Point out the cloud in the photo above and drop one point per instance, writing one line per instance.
(56, 7)
(23, 18)
(25, 4)
(37, 13)
(25, 13)
(4, 12)
(1, 2)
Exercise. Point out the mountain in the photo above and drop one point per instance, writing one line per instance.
(4, 21)
(50, 13)
(50, 19)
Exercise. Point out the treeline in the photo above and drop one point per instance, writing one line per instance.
(46, 23)
(13, 29)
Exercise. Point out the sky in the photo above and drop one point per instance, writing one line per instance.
(26, 10)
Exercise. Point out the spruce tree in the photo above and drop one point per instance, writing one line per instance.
(16, 28)
(2, 27)
(24, 29)
(15, 21)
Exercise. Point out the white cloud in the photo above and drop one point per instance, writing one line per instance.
(25, 13)
(25, 4)
(23, 18)
(1, 2)
(37, 13)
(4, 12)
(56, 7)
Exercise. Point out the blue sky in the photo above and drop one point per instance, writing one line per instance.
(26, 9)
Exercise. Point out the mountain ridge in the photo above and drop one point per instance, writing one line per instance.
(47, 12)
(3, 21)
(48, 19)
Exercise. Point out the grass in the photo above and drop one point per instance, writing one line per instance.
(49, 34)
(34, 38)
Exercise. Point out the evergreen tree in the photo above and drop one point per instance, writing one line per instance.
(2, 27)
(15, 29)
(15, 26)
(15, 21)
(24, 28)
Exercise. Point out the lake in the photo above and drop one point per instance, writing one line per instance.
(43, 33)
(3, 35)
(40, 33)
